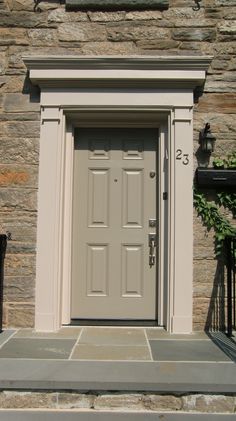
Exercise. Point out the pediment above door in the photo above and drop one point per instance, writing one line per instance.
(134, 71)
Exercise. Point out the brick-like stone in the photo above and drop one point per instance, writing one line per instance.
(3, 63)
(13, 36)
(136, 32)
(81, 32)
(209, 403)
(22, 226)
(144, 15)
(196, 34)
(21, 129)
(227, 28)
(43, 36)
(225, 104)
(107, 48)
(62, 16)
(162, 402)
(158, 44)
(174, 13)
(21, 150)
(20, 315)
(74, 400)
(19, 289)
(106, 16)
(119, 401)
(18, 199)
(23, 19)
(19, 102)
(14, 400)
(19, 265)
(18, 175)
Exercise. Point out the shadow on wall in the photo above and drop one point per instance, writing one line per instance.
(216, 317)
(32, 90)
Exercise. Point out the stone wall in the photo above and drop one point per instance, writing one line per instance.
(140, 402)
(178, 30)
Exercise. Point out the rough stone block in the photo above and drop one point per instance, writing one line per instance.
(21, 129)
(106, 16)
(162, 402)
(19, 289)
(20, 315)
(18, 199)
(158, 44)
(22, 19)
(81, 32)
(13, 36)
(136, 32)
(209, 403)
(227, 28)
(9, 399)
(204, 272)
(107, 48)
(196, 34)
(43, 36)
(19, 265)
(22, 226)
(18, 176)
(20, 150)
(119, 401)
(3, 63)
(74, 400)
(20, 102)
(61, 16)
(220, 103)
(144, 15)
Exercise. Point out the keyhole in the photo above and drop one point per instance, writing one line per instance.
(115, 180)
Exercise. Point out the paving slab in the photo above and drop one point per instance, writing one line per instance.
(63, 333)
(113, 336)
(106, 352)
(37, 348)
(42, 415)
(167, 350)
(114, 375)
(6, 335)
(162, 334)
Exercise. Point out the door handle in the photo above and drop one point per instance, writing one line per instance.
(152, 245)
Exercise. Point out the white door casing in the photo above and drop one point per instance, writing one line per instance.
(161, 86)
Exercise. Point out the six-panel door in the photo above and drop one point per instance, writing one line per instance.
(113, 275)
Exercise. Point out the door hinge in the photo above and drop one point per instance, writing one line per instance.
(165, 195)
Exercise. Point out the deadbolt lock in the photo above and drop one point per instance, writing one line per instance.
(152, 223)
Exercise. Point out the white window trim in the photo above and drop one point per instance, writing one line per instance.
(148, 84)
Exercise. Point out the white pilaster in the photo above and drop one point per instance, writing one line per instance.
(182, 199)
(49, 241)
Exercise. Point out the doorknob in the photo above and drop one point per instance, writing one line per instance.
(152, 245)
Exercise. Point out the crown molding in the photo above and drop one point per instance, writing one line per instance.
(111, 70)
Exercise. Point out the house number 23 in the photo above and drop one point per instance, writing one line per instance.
(184, 157)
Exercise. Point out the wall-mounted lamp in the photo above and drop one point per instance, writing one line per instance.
(207, 139)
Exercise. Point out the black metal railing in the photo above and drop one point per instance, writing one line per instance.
(3, 246)
(230, 243)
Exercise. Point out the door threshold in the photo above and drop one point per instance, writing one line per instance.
(104, 322)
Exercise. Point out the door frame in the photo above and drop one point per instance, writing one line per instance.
(72, 85)
(117, 118)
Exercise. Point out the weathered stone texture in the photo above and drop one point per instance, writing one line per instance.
(209, 403)
(81, 32)
(19, 315)
(119, 401)
(162, 402)
(12, 399)
(56, 31)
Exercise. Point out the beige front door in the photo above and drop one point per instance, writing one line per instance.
(114, 259)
